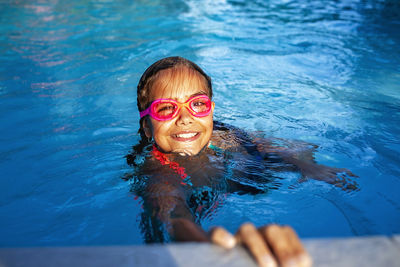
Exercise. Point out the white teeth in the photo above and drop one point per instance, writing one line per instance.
(186, 135)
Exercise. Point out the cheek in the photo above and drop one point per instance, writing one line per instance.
(160, 128)
(207, 126)
(209, 122)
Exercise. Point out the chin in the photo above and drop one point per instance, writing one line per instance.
(184, 152)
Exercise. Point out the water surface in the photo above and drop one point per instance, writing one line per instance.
(324, 72)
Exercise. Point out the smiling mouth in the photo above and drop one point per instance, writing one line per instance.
(185, 137)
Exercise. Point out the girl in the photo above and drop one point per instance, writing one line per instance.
(183, 165)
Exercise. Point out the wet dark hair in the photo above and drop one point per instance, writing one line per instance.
(150, 75)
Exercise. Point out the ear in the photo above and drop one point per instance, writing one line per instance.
(147, 128)
(212, 106)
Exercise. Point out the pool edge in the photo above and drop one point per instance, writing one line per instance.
(358, 251)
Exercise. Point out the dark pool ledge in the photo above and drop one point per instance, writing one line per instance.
(362, 251)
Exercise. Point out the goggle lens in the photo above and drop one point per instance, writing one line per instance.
(201, 106)
(166, 109)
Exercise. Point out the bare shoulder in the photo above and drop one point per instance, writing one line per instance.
(224, 140)
(229, 137)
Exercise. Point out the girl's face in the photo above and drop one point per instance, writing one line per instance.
(184, 134)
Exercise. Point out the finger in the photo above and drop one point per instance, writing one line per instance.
(349, 173)
(286, 246)
(223, 238)
(279, 244)
(254, 242)
(346, 172)
(301, 257)
(353, 186)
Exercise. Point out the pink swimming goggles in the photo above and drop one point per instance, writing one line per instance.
(164, 109)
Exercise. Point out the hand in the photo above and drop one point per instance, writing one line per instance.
(339, 177)
(269, 245)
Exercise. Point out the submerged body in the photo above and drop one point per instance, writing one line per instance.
(183, 165)
(176, 186)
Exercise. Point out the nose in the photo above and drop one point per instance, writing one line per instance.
(184, 117)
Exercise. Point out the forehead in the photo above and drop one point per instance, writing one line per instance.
(178, 83)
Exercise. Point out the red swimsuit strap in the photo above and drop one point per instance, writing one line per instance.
(164, 160)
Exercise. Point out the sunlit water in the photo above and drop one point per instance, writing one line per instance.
(324, 72)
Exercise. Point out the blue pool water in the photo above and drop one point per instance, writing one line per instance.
(324, 72)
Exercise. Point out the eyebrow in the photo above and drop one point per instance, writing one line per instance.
(198, 93)
(193, 95)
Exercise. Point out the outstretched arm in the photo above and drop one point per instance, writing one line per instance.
(296, 155)
(301, 155)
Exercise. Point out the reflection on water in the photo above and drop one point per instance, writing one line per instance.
(324, 72)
